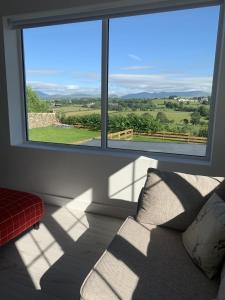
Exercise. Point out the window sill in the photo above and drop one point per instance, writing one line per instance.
(120, 153)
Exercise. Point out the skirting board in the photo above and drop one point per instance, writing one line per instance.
(112, 207)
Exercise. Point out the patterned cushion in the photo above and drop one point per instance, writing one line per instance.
(204, 240)
(19, 211)
(173, 199)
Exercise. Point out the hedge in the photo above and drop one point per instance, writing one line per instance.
(139, 123)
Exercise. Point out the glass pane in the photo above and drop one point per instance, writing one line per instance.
(63, 67)
(160, 80)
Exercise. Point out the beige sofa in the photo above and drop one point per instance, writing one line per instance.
(149, 261)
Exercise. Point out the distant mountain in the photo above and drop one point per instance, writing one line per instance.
(143, 95)
(146, 95)
(41, 94)
(79, 96)
(64, 97)
(113, 96)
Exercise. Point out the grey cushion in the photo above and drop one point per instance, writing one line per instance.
(220, 190)
(173, 199)
(146, 262)
(221, 292)
(204, 239)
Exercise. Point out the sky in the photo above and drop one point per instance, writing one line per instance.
(170, 51)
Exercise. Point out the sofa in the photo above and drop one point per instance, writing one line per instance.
(147, 258)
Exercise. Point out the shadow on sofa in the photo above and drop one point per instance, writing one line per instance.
(147, 263)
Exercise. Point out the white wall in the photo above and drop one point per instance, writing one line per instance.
(81, 177)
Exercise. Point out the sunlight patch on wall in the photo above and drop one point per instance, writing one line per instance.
(120, 183)
(126, 183)
(82, 201)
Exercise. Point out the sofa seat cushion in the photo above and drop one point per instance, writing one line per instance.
(146, 262)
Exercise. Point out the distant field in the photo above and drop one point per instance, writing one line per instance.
(177, 116)
(75, 110)
(81, 112)
(72, 108)
(61, 135)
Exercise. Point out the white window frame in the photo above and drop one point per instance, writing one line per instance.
(12, 35)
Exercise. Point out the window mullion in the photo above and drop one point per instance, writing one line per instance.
(104, 82)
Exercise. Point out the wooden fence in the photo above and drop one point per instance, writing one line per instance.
(125, 135)
(179, 137)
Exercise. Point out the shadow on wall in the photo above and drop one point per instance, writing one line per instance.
(111, 191)
(68, 176)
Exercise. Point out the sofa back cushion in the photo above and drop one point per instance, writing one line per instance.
(173, 199)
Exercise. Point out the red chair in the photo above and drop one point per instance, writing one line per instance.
(18, 212)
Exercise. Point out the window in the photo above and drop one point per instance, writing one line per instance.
(63, 88)
(145, 84)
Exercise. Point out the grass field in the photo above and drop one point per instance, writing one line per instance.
(61, 135)
(76, 135)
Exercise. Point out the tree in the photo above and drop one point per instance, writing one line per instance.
(162, 117)
(205, 102)
(204, 111)
(203, 132)
(185, 121)
(34, 103)
(195, 118)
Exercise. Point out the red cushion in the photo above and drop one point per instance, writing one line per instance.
(18, 211)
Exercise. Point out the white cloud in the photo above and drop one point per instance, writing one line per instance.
(43, 72)
(131, 83)
(61, 89)
(135, 57)
(53, 88)
(124, 83)
(70, 87)
(135, 68)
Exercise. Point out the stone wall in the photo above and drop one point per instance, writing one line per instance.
(36, 120)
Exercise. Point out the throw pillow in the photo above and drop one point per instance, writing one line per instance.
(204, 239)
(221, 291)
